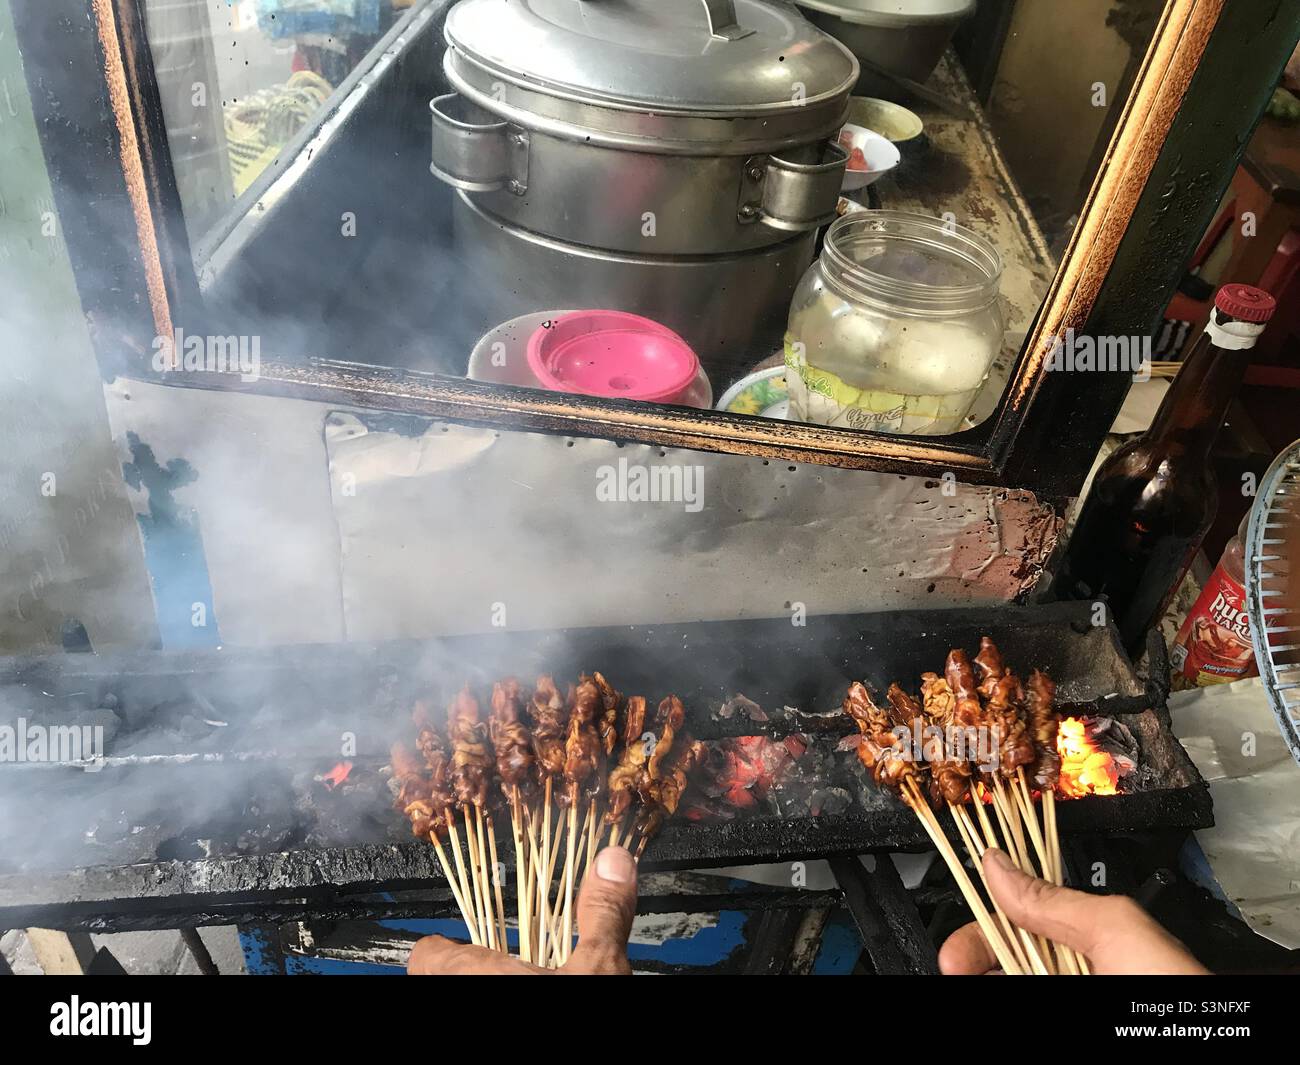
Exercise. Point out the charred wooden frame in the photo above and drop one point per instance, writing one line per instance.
(1203, 85)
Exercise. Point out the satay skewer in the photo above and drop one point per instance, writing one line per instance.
(1014, 936)
(426, 802)
(438, 849)
(503, 940)
(476, 881)
(1003, 953)
(544, 873)
(1030, 817)
(523, 902)
(593, 836)
(570, 852)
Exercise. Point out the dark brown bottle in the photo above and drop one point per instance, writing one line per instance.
(1153, 500)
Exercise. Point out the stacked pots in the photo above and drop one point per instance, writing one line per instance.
(671, 158)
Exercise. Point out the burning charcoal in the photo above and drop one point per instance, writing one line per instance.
(827, 802)
(1118, 741)
(740, 773)
(741, 704)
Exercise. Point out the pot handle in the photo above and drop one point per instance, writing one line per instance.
(722, 20)
(792, 196)
(475, 155)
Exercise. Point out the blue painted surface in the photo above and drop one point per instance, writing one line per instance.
(298, 966)
(840, 949)
(173, 549)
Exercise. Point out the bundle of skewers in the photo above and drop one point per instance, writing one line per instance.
(988, 749)
(569, 772)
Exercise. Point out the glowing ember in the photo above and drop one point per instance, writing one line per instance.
(336, 776)
(1085, 768)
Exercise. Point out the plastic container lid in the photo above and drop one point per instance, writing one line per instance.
(612, 354)
(1246, 303)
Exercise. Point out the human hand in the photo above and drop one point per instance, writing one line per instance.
(1113, 932)
(605, 908)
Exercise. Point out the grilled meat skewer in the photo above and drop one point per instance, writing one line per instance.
(1040, 709)
(510, 738)
(471, 758)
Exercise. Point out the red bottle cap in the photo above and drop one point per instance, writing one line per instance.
(1246, 303)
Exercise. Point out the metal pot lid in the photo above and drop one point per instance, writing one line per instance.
(697, 56)
(896, 13)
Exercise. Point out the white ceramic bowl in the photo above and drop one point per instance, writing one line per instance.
(880, 153)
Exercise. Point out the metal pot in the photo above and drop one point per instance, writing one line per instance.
(656, 127)
(902, 37)
(722, 305)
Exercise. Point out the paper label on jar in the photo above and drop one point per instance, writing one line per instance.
(1213, 646)
(821, 397)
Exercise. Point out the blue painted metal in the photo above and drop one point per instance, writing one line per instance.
(173, 550)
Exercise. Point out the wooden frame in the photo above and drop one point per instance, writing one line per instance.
(1174, 150)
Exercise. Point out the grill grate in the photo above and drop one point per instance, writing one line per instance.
(1272, 593)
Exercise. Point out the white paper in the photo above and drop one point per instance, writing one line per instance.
(1254, 847)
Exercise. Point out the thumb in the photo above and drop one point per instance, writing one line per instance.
(606, 906)
(1074, 918)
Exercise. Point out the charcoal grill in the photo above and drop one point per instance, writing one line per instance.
(224, 735)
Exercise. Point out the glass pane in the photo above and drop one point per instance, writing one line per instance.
(626, 158)
(240, 78)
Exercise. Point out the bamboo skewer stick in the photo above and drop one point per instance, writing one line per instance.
(1053, 840)
(976, 851)
(496, 883)
(1010, 830)
(535, 864)
(1008, 846)
(485, 879)
(455, 889)
(523, 903)
(1004, 955)
(1030, 816)
(544, 877)
(476, 878)
(568, 877)
(976, 848)
(1036, 955)
(593, 836)
(1011, 813)
(476, 934)
(1072, 958)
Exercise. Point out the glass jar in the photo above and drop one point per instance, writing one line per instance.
(895, 326)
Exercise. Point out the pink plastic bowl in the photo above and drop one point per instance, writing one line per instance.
(612, 354)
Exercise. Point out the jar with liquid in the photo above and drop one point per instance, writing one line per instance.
(895, 326)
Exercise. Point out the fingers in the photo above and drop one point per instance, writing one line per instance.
(1074, 918)
(966, 953)
(435, 956)
(606, 907)
(1112, 931)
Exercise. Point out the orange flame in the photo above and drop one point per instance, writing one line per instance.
(1085, 768)
(336, 776)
